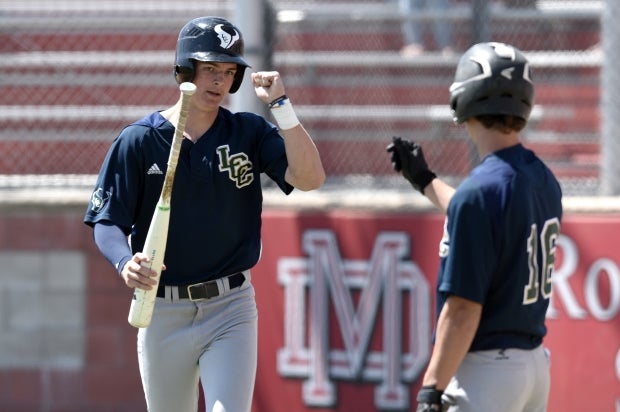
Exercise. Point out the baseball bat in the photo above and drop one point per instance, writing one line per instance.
(143, 301)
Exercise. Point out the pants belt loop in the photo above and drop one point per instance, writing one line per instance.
(222, 285)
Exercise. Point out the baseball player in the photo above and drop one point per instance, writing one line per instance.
(204, 324)
(498, 247)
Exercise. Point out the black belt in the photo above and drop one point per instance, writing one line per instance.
(204, 290)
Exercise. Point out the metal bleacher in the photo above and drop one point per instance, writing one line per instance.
(83, 95)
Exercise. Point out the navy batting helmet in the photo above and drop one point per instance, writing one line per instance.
(492, 78)
(209, 39)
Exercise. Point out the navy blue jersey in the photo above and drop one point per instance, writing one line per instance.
(216, 203)
(499, 246)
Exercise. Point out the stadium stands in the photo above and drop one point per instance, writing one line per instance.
(73, 73)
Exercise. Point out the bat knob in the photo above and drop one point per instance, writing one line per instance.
(187, 88)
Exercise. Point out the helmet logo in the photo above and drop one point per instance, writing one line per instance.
(504, 51)
(507, 73)
(487, 72)
(226, 39)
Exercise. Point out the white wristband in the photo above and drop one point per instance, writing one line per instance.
(284, 114)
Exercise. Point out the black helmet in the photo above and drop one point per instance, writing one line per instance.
(209, 39)
(492, 78)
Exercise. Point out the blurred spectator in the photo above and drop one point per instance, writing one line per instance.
(413, 31)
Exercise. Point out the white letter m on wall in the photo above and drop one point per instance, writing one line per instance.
(386, 279)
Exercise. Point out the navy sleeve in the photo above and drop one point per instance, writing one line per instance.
(468, 268)
(112, 243)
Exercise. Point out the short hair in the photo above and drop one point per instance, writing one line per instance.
(502, 123)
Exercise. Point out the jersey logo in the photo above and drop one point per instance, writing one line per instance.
(154, 170)
(358, 290)
(226, 39)
(99, 199)
(238, 166)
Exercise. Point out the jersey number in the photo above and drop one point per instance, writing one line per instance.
(540, 278)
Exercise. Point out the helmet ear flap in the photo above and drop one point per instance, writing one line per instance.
(453, 104)
(183, 74)
(238, 79)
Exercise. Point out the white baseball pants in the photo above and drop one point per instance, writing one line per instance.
(214, 341)
(510, 380)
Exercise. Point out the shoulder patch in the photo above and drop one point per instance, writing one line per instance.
(99, 199)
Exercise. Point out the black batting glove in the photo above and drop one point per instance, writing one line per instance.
(407, 157)
(429, 399)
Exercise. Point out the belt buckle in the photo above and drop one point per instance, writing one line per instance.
(189, 292)
(208, 289)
